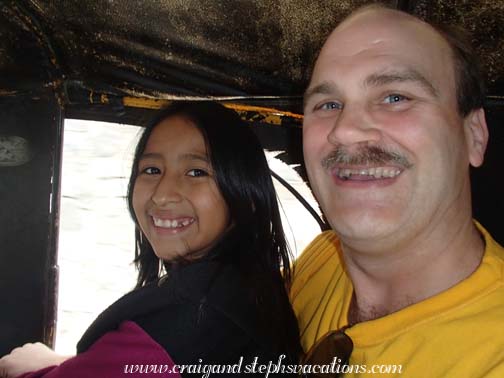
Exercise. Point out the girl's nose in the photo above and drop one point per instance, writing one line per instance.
(166, 191)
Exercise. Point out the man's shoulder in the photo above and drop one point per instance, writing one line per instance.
(323, 250)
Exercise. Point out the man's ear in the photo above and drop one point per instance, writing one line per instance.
(476, 132)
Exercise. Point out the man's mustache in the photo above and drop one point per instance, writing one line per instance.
(366, 155)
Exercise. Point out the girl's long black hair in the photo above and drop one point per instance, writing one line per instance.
(243, 178)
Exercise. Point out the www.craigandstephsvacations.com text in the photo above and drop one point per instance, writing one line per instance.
(254, 367)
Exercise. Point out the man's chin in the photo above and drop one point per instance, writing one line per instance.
(365, 229)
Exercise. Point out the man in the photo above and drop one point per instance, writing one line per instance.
(393, 119)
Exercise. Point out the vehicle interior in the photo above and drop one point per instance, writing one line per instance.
(120, 61)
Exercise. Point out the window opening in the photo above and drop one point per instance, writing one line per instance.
(96, 236)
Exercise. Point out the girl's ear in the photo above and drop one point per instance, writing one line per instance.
(476, 133)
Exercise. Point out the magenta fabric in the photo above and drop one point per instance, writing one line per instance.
(128, 347)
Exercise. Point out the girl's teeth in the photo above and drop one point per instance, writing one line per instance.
(167, 223)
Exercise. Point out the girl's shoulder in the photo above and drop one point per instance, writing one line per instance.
(203, 310)
(185, 297)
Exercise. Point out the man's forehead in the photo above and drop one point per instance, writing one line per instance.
(368, 18)
(371, 27)
(373, 33)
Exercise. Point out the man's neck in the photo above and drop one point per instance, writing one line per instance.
(391, 282)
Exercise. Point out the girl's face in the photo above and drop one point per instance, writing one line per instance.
(175, 198)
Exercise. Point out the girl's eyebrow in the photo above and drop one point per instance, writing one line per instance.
(194, 156)
(187, 156)
(150, 155)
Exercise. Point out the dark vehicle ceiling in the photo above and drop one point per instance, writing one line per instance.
(169, 49)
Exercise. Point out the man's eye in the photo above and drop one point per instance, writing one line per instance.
(394, 98)
(332, 105)
(197, 173)
(151, 171)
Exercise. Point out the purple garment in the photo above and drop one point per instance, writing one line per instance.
(116, 354)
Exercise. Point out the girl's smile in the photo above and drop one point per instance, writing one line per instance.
(173, 224)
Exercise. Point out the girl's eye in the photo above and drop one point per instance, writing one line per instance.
(332, 105)
(151, 171)
(394, 98)
(197, 173)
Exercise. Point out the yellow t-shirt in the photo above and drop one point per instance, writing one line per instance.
(457, 333)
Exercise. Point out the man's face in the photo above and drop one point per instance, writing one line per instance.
(386, 150)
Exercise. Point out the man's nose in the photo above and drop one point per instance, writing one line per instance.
(166, 191)
(354, 125)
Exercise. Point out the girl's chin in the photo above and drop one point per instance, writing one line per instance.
(172, 256)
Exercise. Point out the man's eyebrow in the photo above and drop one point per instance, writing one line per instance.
(389, 77)
(325, 87)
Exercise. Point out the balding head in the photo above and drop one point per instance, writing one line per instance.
(386, 145)
(375, 32)
(469, 82)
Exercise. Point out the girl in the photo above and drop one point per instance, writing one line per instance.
(210, 296)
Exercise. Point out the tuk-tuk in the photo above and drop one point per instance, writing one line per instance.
(120, 61)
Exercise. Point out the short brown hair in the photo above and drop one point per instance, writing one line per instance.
(468, 74)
